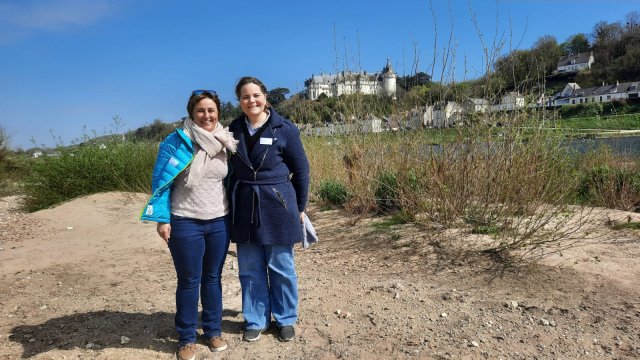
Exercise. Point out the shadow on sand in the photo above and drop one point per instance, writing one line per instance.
(105, 329)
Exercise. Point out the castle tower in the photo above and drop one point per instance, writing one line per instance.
(389, 80)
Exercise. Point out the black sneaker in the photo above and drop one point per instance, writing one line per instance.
(251, 334)
(287, 333)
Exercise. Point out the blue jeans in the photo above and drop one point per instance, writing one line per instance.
(269, 285)
(198, 248)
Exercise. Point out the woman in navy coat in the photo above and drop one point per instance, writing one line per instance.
(268, 186)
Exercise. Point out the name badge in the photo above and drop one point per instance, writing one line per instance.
(266, 141)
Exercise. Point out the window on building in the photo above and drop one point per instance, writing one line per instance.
(608, 97)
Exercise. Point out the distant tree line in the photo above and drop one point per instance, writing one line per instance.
(615, 46)
(159, 129)
(155, 131)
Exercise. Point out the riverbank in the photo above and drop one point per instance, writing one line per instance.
(606, 133)
(86, 279)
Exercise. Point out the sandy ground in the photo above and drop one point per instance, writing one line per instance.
(87, 280)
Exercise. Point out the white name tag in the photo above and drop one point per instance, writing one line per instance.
(266, 141)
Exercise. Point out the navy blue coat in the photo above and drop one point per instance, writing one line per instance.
(269, 187)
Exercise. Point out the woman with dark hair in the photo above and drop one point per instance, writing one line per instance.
(189, 204)
(268, 190)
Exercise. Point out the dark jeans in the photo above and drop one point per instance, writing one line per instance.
(198, 248)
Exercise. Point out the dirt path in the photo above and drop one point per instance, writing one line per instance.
(87, 280)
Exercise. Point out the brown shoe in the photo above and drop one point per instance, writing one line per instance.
(217, 344)
(186, 352)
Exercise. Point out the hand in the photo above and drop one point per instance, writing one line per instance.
(164, 230)
(302, 217)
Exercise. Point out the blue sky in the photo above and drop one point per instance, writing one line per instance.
(67, 67)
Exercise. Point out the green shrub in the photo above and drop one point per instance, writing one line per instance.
(13, 167)
(610, 187)
(387, 194)
(89, 169)
(333, 192)
(634, 225)
(398, 218)
(591, 182)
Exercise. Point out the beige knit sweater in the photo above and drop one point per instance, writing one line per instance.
(207, 200)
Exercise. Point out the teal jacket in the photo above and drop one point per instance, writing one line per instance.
(174, 155)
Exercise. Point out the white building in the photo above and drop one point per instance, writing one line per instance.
(372, 124)
(575, 63)
(427, 116)
(509, 102)
(475, 105)
(349, 82)
(573, 94)
(446, 114)
(415, 118)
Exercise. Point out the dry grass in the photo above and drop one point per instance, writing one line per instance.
(514, 186)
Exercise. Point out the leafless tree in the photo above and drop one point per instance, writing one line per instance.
(4, 139)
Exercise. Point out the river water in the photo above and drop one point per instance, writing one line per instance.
(629, 145)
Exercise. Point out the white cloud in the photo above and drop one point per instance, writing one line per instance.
(19, 19)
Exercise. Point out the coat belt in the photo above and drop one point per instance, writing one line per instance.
(255, 186)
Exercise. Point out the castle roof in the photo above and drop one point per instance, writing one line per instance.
(388, 70)
(330, 79)
(345, 76)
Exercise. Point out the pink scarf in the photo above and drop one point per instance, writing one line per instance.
(210, 145)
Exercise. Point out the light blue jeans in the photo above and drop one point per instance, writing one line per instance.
(269, 285)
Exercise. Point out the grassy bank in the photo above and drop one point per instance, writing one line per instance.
(83, 170)
(424, 166)
(611, 122)
(502, 188)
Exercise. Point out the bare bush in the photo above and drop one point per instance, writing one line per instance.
(497, 181)
(4, 147)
